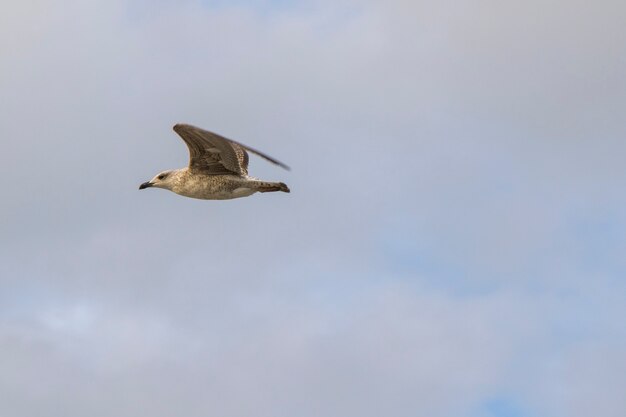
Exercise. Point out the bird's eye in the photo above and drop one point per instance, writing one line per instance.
(161, 176)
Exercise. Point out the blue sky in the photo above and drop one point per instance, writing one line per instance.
(452, 246)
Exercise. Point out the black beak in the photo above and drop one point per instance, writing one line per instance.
(145, 185)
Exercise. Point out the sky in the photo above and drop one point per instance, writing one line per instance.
(452, 246)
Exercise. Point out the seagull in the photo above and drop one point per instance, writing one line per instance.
(218, 169)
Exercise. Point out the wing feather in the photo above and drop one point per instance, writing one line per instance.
(215, 154)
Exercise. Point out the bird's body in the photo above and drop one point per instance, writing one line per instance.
(218, 169)
(219, 187)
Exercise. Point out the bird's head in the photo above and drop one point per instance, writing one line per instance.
(163, 179)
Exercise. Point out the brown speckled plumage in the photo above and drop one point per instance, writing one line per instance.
(218, 168)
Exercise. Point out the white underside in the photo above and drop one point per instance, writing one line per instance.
(242, 192)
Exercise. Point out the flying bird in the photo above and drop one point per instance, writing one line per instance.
(218, 169)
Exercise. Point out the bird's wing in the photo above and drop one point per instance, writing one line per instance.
(215, 154)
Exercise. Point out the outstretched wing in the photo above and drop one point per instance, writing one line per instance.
(216, 155)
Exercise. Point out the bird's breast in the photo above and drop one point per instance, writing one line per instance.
(213, 187)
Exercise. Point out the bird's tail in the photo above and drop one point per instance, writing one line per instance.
(268, 187)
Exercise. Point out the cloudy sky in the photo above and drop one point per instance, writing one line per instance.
(453, 246)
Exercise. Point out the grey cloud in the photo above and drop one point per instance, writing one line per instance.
(437, 151)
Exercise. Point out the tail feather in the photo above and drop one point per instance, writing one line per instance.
(269, 187)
